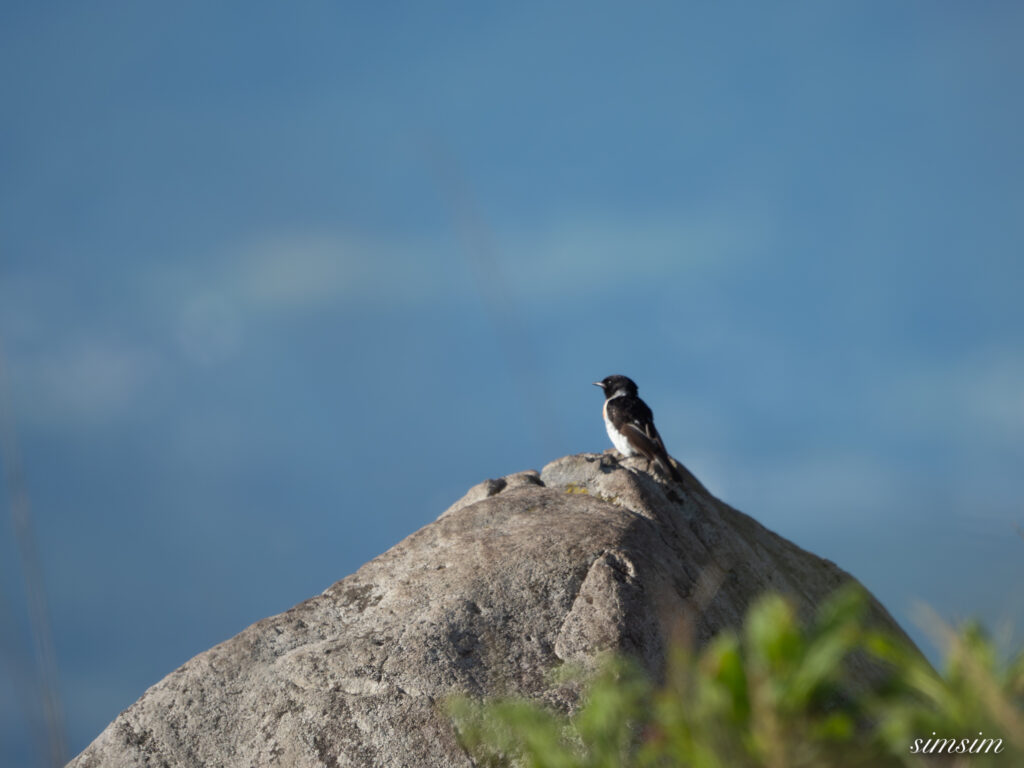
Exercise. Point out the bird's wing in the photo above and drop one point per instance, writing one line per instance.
(648, 443)
(637, 415)
(640, 440)
(638, 427)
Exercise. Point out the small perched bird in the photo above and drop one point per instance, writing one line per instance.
(630, 424)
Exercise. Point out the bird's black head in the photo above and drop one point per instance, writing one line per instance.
(616, 385)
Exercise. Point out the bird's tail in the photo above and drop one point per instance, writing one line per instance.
(668, 468)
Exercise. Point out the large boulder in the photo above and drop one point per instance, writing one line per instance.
(522, 574)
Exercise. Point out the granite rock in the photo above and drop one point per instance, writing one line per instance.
(523, 574)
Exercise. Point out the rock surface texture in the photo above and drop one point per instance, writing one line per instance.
(522, 574)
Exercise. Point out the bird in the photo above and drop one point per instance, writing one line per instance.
(630, 424)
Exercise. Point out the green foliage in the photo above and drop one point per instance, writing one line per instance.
(778, 694)
(599, 735)
(976, 694)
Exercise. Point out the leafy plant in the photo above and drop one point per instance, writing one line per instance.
(778, 694)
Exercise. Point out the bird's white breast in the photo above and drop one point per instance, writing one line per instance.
(621, 443)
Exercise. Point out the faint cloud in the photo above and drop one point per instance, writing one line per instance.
(294, 272)
(210, 302)
(993, 396)
(977, 399)
(822, 487)
(302, 271)
(88, 379)
(283, 272)
(209, 328)
(215, 299)
(595, 254)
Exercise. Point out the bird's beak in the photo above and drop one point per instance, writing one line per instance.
(598, 384)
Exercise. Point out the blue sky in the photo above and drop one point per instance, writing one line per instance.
(278, 285)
